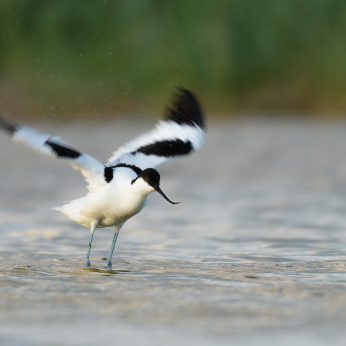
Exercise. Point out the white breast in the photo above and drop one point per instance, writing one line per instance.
(116, 202)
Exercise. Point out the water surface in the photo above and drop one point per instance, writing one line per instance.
(254, 254)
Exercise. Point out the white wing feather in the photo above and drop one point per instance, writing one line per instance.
(91, 168)
(181, 133)
(165, 130)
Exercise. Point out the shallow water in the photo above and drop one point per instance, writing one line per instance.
(254, 254)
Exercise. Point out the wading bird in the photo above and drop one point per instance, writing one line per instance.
(121, 188)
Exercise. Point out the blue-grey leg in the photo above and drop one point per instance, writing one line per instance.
(92, 230)
(109, 259)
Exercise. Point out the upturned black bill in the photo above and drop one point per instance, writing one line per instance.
(164, 196)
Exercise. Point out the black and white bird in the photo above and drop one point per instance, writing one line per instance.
(121, 188)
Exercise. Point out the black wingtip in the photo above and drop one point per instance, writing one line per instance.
(185, 109)
(10, 128)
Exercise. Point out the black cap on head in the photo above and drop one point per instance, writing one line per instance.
(152, 177)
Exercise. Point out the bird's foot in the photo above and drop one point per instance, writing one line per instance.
(109, 264)
(87, 263)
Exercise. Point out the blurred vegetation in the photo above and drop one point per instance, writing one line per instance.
(97, 57)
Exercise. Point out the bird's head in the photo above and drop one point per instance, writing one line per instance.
(149, 181)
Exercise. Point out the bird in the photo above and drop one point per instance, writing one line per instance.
(121, 188)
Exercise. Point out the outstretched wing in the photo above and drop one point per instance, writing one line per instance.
(47, 145)
(181, 133)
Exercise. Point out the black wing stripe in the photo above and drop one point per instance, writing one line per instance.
(166, 148)
(185, 109)
(108, 172)
(63, 152)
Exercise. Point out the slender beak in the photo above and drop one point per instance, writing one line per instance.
(157, 188)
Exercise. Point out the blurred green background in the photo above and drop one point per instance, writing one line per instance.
(108, 57)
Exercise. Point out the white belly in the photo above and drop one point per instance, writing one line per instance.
(112, 204)
(116, 211)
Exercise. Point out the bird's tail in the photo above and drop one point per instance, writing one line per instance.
(72, 209)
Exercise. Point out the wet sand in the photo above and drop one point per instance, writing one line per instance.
(254, 254)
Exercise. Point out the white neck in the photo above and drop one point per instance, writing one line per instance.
(141, 187)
